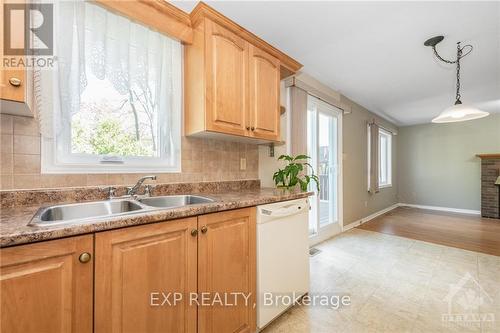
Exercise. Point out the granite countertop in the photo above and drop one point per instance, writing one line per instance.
(14, 229)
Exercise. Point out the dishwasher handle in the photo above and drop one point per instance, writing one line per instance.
(283, 211)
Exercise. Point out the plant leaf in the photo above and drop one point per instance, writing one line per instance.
(309, 165)
(301, 157)
(286, 158)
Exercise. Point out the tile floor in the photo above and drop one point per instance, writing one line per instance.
(398, 285)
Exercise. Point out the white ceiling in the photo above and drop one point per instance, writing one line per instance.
(373, 52)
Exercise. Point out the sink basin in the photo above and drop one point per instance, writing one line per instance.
(79, 211)
(65, 214)
(174, 201)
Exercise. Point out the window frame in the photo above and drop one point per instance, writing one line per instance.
(52, 148)
(82, 163)
(93, 164)
(388, 135)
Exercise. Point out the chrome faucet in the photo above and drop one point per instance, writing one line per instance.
(132, 191)
(111, 190)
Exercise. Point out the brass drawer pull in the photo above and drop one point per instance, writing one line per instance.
(15, 82)
(84, 257)
(194, 232)
(204, 229)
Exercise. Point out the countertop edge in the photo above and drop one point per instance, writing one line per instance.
(39, 234)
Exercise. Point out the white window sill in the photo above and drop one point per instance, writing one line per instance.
(385, 186)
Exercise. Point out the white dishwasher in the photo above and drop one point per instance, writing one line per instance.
(282, 256)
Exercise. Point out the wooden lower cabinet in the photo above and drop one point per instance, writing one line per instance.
(131, 264)
(45, 288)
(161, 277)
(227, 266)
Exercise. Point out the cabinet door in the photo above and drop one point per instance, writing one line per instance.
(12, 85)
(135, 270)
(14, 91)
(45, 288)
(264, 95)
(226, 61)
(226, 265)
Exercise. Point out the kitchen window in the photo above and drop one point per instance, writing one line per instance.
(385, 158)
(113, 102)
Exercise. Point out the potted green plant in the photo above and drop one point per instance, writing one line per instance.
(295, 173)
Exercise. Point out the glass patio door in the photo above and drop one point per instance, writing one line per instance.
(323, 147)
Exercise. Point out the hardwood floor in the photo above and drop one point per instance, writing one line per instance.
(462, 231)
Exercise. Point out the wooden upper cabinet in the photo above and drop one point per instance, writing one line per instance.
(12, 85)
(16, 82)
(236, 96)
(132, 263)
(45, 288)
(231, 79)
(226, 80)
(264, 95)
(227, 266)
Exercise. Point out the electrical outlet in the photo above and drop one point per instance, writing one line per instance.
(366, 203)
(243, 163)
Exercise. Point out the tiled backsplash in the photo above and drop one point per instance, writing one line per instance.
(202, 160)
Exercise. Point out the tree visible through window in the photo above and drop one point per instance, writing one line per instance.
(109, 123)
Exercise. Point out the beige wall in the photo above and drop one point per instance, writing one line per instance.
(437, 164)
(201, 160)
(358, 203)
(270, 164)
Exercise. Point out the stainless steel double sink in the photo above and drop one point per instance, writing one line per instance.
(78, 212)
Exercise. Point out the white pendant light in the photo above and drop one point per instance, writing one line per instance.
(459, 111)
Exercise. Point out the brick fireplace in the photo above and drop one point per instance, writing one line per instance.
(490, 170)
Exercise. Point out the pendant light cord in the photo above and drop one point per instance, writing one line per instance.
(460, 55)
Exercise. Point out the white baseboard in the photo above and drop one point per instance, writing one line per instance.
(388, 209)
(369, 217)
(443, 209)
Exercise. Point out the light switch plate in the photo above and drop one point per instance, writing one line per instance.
(243, 163)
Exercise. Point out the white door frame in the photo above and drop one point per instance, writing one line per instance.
(333, 228)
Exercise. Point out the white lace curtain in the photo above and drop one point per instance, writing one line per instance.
(127, 54)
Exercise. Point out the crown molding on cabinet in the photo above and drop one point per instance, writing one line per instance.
(488, 156)
(288, 65)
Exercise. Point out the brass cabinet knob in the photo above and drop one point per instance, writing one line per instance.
(84, 257)
(248, 128)
(194, 232)
(204, 229)
(253, 128)
(14, 81)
